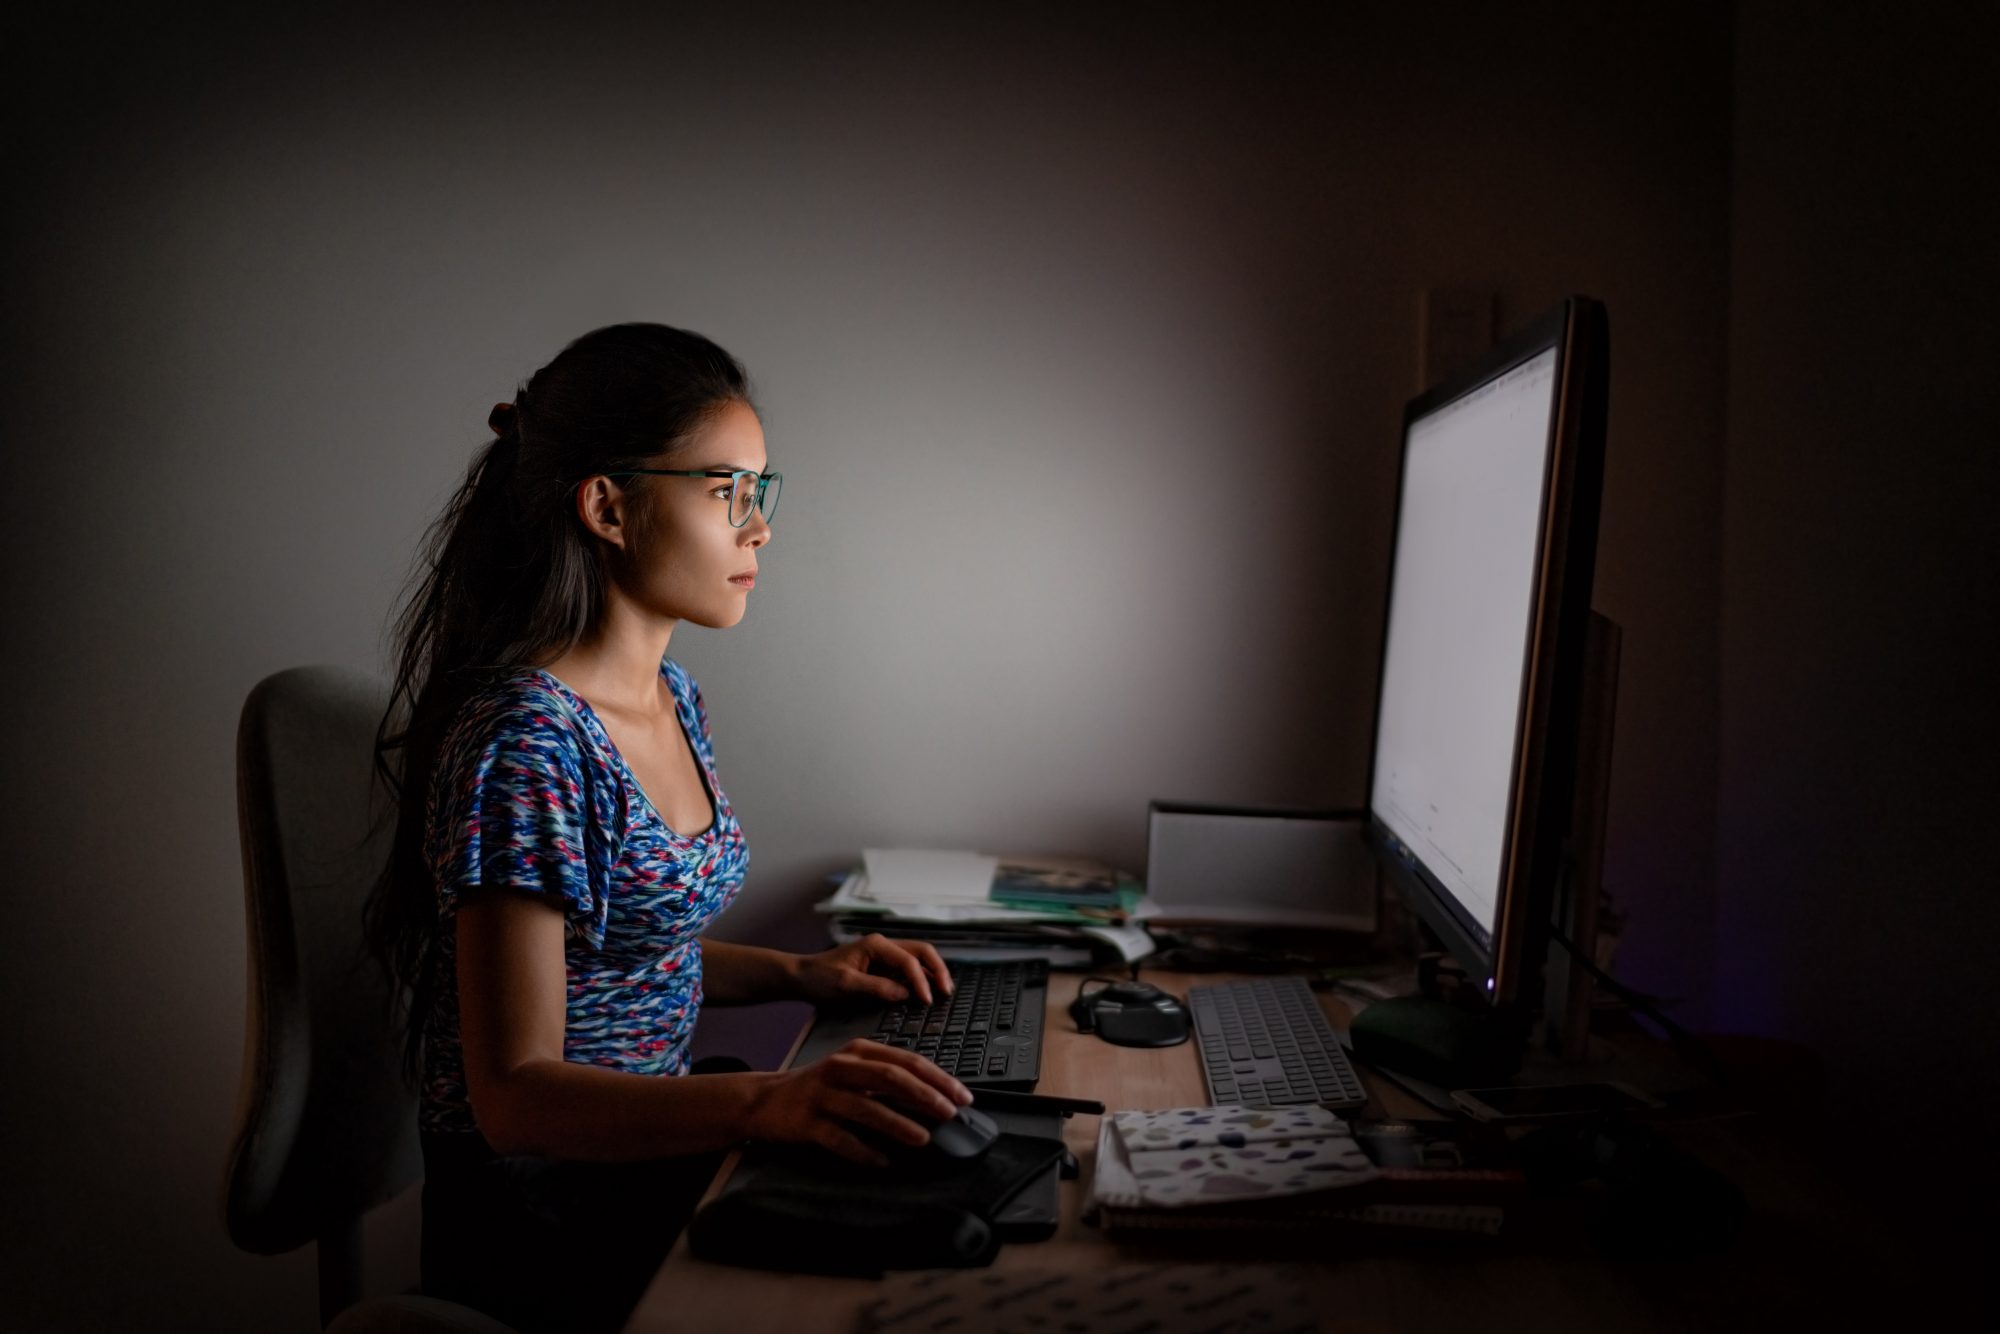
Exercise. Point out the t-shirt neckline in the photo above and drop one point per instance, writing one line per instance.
(618, 756)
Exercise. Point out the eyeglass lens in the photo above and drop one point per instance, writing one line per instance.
(746, 494)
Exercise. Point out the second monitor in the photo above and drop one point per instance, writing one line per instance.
(1471, 776)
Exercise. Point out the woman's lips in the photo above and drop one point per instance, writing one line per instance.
(746, 580)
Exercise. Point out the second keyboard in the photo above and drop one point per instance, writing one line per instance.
(1265, 1042)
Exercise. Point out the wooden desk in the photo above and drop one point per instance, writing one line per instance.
(1473, 1286)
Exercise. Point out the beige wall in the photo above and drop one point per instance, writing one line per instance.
(1082, 345)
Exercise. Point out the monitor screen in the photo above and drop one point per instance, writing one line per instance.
(1467, 540)
(1489, 602)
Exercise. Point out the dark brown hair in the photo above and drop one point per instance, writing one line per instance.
(510, 579)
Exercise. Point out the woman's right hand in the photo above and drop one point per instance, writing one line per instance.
(863, 1085)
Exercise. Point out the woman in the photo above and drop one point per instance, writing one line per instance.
(562, 843)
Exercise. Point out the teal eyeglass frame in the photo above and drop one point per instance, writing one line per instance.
(769, 486)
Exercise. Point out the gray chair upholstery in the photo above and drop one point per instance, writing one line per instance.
(326, 1126)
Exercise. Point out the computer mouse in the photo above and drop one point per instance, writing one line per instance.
(1133, 1014)
(969, 1133)
(957, 1140)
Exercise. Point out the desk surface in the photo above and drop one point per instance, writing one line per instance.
(1415, 1286)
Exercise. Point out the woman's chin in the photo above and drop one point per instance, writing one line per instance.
(718, 618)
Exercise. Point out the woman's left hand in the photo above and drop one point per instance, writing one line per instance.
(890, 970)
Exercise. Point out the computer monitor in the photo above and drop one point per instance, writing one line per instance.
(1469, 789)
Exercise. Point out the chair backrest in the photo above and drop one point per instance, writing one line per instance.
(326, 1125)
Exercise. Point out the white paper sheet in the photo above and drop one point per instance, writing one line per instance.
(921, 875)
(1131, 942)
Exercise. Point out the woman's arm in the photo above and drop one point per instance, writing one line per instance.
(733, 974)
(874, 965)
(527, 1099)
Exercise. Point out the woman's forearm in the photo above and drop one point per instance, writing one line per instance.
(734, 974)
(586, 1113)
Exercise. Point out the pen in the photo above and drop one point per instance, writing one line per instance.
(1003, 1100)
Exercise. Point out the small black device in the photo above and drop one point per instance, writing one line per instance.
(1130, 1014)
(987, 1032)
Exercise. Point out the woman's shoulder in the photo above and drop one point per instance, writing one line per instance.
(687, 694)
(679, 679)
(526, 709)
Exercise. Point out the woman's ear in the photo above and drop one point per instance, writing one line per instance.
(600, 503)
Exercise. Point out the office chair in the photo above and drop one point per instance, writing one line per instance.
(326, 1126)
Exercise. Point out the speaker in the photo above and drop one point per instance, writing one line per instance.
(1258, 866)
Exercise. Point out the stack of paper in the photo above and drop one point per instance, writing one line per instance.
(974, 906)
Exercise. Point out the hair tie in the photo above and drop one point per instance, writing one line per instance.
(501, 419)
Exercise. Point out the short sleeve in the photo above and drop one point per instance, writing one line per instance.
(515, 809)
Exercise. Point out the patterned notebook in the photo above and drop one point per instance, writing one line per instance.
(1255, 1168)
(1221, 1155)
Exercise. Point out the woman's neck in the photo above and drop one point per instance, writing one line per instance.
(619, 665)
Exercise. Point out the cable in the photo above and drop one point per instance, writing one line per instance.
(1079, 1009)
(1644, 1004)
(1641, 1001)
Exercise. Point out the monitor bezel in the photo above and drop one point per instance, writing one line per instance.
(1508, 968)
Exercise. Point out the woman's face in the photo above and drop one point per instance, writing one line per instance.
(686, 561)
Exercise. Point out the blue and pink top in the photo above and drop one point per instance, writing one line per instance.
(530, 795)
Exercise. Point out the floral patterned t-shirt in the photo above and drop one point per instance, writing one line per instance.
(530, 795)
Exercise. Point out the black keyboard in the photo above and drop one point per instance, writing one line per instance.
(988, 1032)
(1266, 1043)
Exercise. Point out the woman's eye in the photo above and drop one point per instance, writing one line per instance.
(722, 492)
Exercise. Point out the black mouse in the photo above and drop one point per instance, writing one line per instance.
(957, 1140)
(1133, 1014)
(969, 1133)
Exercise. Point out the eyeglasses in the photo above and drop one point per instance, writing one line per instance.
(747, 490)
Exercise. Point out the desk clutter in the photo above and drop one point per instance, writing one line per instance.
(1072, 912)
